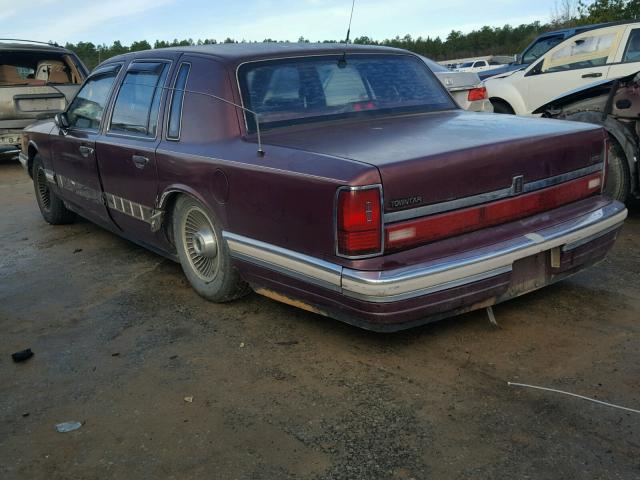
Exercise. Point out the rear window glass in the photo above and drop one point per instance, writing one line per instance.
(291, 91)
(38, 68)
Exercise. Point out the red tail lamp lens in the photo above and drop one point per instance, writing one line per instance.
(477, 94)
(359, 222)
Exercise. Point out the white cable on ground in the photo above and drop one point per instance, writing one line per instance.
(512, 384)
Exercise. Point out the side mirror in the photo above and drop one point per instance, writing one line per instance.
(517, 58)
(62, 122)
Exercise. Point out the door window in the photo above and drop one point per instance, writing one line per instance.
(541, 47)
(136, 108)
(632, 51)
(177, 97)
(86, 110)
(584, 52)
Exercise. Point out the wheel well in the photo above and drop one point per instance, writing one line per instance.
(500, 101)
(31, 153)
(167, 220)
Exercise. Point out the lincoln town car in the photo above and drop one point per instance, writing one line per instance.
(340, 179)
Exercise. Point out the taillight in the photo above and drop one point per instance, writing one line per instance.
(479, 93)
(359, 221)
(436, 227)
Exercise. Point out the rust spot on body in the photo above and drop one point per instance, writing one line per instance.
(289, 301)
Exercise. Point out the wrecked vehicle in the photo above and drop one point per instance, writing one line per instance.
(343, 180)
(37, 80)
(615, 105)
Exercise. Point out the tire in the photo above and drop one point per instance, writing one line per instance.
(203, 253)
(618, 182)
(51, 206)
(502, 107)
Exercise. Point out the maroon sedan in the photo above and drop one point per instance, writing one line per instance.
(344, 181)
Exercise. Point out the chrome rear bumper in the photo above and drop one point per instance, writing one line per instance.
(431, 276)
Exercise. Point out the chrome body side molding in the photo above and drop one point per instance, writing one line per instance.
(431, 276)
(286, 261)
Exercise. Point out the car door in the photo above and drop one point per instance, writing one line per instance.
(126, 152)
(73, 149)
(627, 59)
(578, 61)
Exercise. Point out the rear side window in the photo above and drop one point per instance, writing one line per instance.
(136, 109)
(86, 110)
(175, 110)
(583, 52)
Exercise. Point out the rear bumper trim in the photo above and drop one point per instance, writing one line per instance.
(393, 285)
(433, 276)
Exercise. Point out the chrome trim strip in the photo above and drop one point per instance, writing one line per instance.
(114, 202)
(571, 246)
(428, 277)
(409, 281)
(127, 207)
(488, 196)
(283, 260)
(431, 289)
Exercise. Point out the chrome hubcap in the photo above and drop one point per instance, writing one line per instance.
(201, 243)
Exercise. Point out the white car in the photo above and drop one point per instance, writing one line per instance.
(606, 52)
(477, 66)
(465, 87)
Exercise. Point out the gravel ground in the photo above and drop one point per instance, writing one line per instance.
(120, 340)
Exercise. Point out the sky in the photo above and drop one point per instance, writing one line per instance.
(102, 22)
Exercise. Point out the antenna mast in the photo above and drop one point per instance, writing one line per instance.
(346, 42)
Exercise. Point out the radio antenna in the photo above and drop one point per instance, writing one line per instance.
(229, 102)
(343, 61)
(346, 42)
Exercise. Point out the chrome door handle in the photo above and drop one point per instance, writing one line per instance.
(85, 151)
(140, 161)
(592, 75)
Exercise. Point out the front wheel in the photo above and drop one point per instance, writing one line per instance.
(203, 254)
(51, 206)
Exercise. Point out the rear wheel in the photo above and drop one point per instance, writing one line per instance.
(618, 182)
(502, 107)
(203, 254)
(51, 206)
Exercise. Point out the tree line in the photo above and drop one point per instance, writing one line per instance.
(484, 41)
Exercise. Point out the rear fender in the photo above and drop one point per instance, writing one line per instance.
(623, 135)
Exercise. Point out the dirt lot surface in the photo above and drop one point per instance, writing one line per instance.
(120, 340)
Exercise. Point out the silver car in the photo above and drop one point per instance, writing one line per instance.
(465, 87)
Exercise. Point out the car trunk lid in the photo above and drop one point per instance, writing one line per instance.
(434, 158)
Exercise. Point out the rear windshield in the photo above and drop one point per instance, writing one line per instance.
(38, 68)
(293, 91)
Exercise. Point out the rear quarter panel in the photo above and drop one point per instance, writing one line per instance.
(285, 197)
